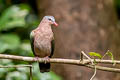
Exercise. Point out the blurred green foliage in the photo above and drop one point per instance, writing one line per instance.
(9, 41)
(117, 3)
(117, 8)
(13, 17)
(16, 22)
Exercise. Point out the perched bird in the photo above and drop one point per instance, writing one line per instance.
(42, 41)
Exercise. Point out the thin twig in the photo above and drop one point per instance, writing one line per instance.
(87, 57)
(31, 72)
(81, 56)
(91, 63)
(104, 55)
(19, 66)
(93, 74)
(15, 66)
(116, 70)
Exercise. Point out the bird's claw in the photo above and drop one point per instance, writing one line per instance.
(46, 59)
(36, 58)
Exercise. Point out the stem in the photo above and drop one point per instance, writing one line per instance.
(15, 66)
(65, 61)
(31, 72)
(94, 73)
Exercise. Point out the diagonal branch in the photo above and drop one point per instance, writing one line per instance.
(87, 57)
(66, 61)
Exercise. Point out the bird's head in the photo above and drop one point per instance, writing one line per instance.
(50, 20)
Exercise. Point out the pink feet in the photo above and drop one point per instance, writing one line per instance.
(46, 59)
(36, 58)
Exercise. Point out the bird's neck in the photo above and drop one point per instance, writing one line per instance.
(44, 24)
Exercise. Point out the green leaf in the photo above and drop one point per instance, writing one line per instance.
(95, 54)
(9, 41)
(111, 55)
(13, 17)
(25, 6)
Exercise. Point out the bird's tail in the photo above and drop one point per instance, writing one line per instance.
(44, 67)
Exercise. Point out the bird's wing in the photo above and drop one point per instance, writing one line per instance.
(52, 47)
(32, 35)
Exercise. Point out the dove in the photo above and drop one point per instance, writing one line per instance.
(42, 41)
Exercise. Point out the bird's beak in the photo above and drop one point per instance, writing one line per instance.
(55, 24)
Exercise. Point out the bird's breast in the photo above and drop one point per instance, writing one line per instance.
(42, 46)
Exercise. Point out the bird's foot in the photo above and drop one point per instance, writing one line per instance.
(36, 58)
(46, 59)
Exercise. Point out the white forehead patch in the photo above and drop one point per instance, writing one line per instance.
(50, 17)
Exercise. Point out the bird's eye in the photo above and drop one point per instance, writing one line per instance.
(49, 19)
